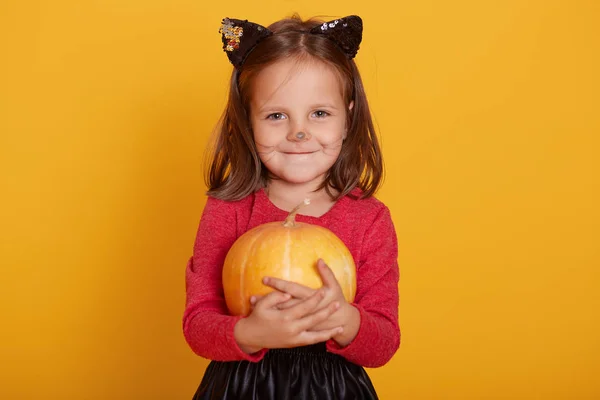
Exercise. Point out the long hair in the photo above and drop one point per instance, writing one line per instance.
(234, 167)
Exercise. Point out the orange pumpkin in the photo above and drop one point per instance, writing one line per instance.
(288, 250)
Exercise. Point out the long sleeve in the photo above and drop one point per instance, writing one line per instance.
(207, 325)
(376, 298)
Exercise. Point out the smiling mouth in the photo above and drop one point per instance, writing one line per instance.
(298, 152)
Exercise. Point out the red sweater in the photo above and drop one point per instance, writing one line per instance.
(365, 226)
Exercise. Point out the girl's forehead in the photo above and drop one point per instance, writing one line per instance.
(296, 80)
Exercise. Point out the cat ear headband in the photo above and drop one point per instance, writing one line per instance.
(240, 36)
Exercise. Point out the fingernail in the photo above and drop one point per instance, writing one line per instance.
(265, 280)
(340, 329)
(337, 305)
(252, 300)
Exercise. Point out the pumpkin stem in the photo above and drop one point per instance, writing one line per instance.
(290, 221)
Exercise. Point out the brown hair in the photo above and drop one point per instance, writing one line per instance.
(235, 168)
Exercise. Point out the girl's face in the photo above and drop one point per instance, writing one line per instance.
(298, 118)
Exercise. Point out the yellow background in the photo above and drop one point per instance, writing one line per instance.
(488, 112)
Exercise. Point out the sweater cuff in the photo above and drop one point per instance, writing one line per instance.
(241, 354)
(361, 341)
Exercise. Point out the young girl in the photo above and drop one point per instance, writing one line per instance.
(297, 125)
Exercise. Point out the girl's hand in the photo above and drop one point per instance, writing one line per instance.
(347, 316)
(270, 327)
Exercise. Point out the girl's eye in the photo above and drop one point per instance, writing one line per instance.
(320, 114)
(276, 116)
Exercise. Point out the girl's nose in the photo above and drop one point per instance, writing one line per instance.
(299, 136)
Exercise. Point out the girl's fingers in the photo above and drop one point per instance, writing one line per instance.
(306, 306)
(316, 318)
(289, 304)
(327, 275)
(255, 299)
(281, 306)
(272, 299)
(295, 289)
(312, 337)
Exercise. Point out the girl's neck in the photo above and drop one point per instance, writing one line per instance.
(287, 196)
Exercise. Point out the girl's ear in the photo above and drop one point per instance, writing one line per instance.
(350, 107)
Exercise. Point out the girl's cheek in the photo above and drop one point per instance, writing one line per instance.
(268, 136)
(331, 133)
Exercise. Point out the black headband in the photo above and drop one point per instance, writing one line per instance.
(240, 36)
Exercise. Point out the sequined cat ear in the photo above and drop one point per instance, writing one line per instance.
(240, 37)
(345, 32)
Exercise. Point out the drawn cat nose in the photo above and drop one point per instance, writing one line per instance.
(299, 136)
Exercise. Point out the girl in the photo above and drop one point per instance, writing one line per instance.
(297, 125)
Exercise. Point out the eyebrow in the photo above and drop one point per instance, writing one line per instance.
(324, 105)
(273, 108)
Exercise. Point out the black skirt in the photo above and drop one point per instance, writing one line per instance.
(303, 373)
